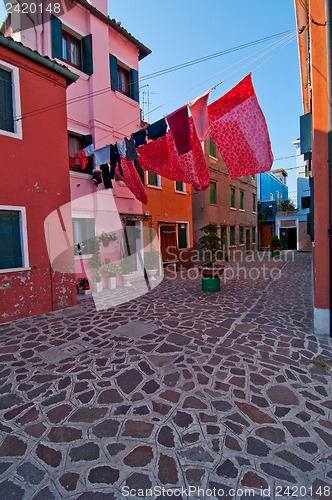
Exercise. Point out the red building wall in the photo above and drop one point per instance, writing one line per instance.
(35, 175)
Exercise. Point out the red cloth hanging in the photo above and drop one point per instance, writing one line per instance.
(240, 132)
(198, 109)
(132, 180)
(178, 122)
(82, 158)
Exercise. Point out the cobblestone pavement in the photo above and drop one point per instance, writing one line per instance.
(176, 388)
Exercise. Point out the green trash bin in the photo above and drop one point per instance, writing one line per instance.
(211, 284)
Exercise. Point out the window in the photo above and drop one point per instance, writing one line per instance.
(70, 47)
(233, 197)
(123, 79)
(10, 104)
(83, 234)
(140, 171)
(13, 238)
(75, 144)
(153, 179)
(253, 234)
(241, 235)
(254, 203)
(232, 235)
(241, 199)
(180, 186)
(212, 148)
(213, 193)
(71, 50)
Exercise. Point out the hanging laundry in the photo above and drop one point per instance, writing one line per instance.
(105, 169)
(72, 161)
(97, 177)
(198, 109)
(102, 155)
(121, 148)
(132, 180)
(131, 151)
(178, 122)
(89, 150)
(239, 131)
(114, 159)
(192, 164)
(82, 158)
(139, 137)
(157, 129)
(155, 156)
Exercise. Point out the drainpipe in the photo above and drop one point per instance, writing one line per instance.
(328, 9)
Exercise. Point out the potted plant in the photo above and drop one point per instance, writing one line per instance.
(210, 246)
(95, 263)
(275, 245)
(127, 267)
(151, 263)
(111, 271)
(84, 286)
(105, 238)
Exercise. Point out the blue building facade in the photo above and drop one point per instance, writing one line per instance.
(272, 186)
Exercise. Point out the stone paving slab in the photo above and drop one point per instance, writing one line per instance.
(220, 393)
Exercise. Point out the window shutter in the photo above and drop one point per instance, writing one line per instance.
(134, 92)
(114, 72)
(87, 54)
(56, 37)
(86, 140)
(10, 242)
(6, 101)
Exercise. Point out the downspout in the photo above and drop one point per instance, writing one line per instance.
(329, 114)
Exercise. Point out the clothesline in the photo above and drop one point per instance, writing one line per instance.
(234, 122)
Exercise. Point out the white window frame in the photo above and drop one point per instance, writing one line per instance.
(23, 239)
(183, 186)
(14, 71)
(152, 185)
(82, 215)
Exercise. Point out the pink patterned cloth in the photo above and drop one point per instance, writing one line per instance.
(132, 180)
(239, 131)
(178, 122)
(161, 157)
(198, 109)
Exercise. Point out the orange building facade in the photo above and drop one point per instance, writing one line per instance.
(310, 18)
(169, 206)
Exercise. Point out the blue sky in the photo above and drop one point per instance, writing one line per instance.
(178, 31)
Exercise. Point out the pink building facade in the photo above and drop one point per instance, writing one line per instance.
(102, 108)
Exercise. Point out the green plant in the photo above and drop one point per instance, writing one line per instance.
(128, 264)
(151, 259)
(321, 363)
(107, 237)
(275, 242)
(286, 206)
(111, 270)
(84, 283)
(95, 261)
(264, 214)
(210, 245)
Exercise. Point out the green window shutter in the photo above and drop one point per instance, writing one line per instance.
(6, 101)
(253, 235)
(232, 197)
(305, 133)
(232, 235)
(56, 37)
(241, 199)
(10, 240)
(241, 235)
(134, 92)
(212, 148)
(213, 193)
(87, 54)
(114, 72)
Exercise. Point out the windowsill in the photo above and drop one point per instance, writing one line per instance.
(153, 187)
(125, 98)
(15, 270)
(232, 246)
(213, 160)
(241, 244)
(254, 212)
(232, 208)
(74, 70)
(13, 135)
(241, 210)
(213, 204)
(79, 175)
(180, 192)
(80, 257)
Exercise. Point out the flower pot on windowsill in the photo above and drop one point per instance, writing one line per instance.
(105, 243)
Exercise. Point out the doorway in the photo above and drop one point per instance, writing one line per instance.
(288, 236)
